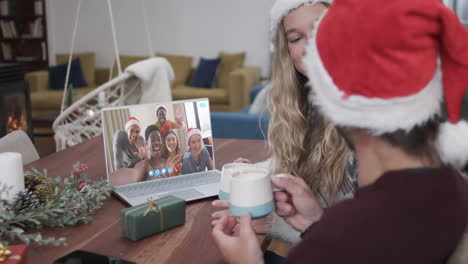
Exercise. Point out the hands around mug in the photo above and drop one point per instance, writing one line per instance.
(237, 246)
(297, 203)
(261, 226)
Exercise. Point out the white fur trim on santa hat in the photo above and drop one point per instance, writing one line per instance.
(191, 132)
(131, 121)
(377, 115)
(452, 143)
(280, 9)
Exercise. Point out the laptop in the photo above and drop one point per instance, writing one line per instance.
(154, 150)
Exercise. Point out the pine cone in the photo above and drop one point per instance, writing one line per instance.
(44, 192)
(26, 200)
(31, 181)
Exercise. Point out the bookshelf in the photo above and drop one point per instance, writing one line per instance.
(23, 34)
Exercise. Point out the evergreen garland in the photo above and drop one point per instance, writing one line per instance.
(48, 202)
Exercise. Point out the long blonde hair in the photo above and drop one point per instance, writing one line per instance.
(303, 142)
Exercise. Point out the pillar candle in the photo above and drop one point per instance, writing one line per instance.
(11, 174)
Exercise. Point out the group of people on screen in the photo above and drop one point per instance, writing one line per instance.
(156, 151)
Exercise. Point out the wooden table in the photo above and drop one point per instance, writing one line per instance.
(191, 243)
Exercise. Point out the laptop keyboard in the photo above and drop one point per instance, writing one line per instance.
(171, 184)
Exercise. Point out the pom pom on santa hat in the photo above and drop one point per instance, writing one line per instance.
(403, 64)
(130, 122)
(452, 140)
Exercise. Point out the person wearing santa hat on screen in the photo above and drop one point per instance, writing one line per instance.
(129, 146)
(197, 158)
(393, 76)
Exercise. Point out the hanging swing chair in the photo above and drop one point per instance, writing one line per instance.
(146, 81)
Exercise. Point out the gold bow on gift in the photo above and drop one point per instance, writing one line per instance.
(151, 205)
(5, 253)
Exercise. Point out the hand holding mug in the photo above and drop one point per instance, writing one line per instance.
(261, 226)
(296, 203)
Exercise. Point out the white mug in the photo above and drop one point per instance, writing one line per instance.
(226, 174)
(252, 192)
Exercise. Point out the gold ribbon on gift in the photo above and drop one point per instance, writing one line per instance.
(5, 254)
(151, 207)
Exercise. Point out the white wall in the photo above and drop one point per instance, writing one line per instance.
(185, 27)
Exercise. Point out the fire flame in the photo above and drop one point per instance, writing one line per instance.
(15, 123)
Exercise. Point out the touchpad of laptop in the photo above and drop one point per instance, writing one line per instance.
(187, 194)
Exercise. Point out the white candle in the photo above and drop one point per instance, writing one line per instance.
(11, 174)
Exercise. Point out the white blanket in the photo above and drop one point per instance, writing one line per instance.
(153, 78)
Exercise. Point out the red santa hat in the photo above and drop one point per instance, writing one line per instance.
(191, 132)
(389, 65)
(130, 122)
(281, 8)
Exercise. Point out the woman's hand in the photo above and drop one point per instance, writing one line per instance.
(242, 160)
(296, 204)
(141, 149)
(261, 226)
(179, 119)
(237, 246)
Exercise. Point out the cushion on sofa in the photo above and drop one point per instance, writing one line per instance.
(87, 60)
(206, 72)
(229, 62)
(215, 95)
(58, 74)
(182, 66)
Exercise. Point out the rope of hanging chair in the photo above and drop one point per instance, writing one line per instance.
(75, 27)
(148, 35)
(149, 42)
(113, 62)
(67, 76)
(114, 37)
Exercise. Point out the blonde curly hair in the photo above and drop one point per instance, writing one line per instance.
(303, 143)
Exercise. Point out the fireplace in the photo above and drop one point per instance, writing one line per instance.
(15, 106)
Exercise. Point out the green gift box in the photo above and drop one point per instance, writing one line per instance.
(152, 217)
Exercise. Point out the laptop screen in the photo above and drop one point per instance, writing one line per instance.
(153, 141)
